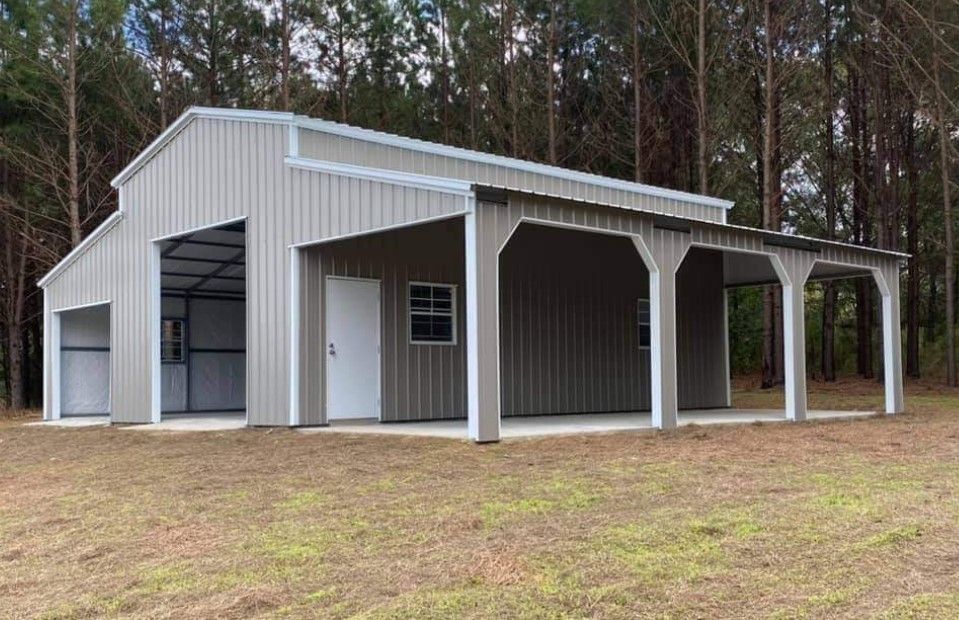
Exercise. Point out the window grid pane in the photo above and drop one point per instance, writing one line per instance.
(642, 320)
(171, 340)
(431, 314)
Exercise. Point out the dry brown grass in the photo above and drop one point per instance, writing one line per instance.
(842, 519)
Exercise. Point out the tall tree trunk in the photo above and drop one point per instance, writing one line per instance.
(771, 348)
(828, 359)
(859, 145)
(949, 271)
(445, 76)
(341, 72)
(285, 55)
(15, 266)
(164, 77)
(638, 73)
(702, 125)
(912, 245)
(73, 163)
(550, 84)
(932, 316)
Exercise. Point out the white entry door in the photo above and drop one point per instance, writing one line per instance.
(352, 348)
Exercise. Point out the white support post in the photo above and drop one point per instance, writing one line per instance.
(888, 282)
(51, 370)
(662, 350)
(294, 395)
(482, 352)
(155, 329)
(794, 350)
(662, 253)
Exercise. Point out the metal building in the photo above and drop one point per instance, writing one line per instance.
(302, 271)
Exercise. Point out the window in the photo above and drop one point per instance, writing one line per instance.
(642, 317)
(432, 313)
(171, 340)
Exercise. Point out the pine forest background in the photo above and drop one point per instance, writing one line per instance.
(831, 118)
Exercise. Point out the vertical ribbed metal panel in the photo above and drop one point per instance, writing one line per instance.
(569, 330)
(213, 171)
(323, 146)
(419, 382)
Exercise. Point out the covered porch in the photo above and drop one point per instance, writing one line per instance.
(528, 315)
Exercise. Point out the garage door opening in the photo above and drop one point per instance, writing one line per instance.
(203, 322)
(84, 388)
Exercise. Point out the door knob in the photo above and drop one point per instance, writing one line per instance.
(332, 349)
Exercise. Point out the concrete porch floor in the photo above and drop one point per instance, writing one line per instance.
(539, 426)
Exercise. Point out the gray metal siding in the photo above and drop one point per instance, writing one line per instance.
(213, 171)
(327, 147)
(569, 330)
(419, 382)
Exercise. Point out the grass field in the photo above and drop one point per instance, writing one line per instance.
(841, 519)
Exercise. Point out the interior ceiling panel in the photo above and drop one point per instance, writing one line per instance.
(207, 260)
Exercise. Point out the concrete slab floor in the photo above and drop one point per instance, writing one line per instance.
(195, 423)
(74, 422)
(540, 426)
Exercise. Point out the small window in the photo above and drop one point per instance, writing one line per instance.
(432, 313)
(171, 340)
(642, 317)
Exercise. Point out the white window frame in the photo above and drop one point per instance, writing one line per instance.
(640, 324)
(453, 314)
(182, 342)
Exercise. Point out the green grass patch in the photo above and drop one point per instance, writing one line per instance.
(892, 537)
(925, 607)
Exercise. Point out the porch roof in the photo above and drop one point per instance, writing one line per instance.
(497, 193)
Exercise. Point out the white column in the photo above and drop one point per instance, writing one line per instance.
(51, 367)
(662, 350)
(482, 331)
(295, 336)
(794, 350)
(155, 333)
(888, 281)
(662, 252)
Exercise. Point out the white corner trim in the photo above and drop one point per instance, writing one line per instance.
(368, 135)
(383, 175)
(379, 229)
(156, 314)
(472, 326)
(104, 227)
(262, 116)
(294, 337)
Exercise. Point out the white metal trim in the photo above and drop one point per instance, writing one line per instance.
(367, 135)
(261, 116)
(379, 337)
(195, 229)
(105, 226)
(91, 304)
(383, 175)
(155, 331)
(454, 310)
(295, 335)
(54, 394)
(381, 229)
(472, 326)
